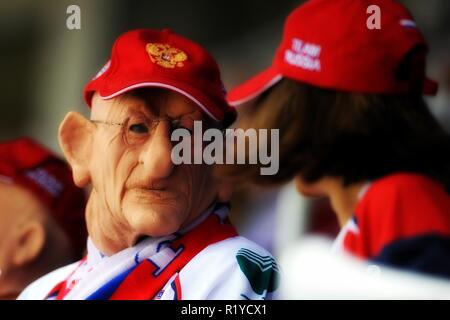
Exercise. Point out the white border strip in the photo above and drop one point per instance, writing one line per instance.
(254, 95)
(161, 85)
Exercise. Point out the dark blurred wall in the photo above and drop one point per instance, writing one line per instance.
(44, 65)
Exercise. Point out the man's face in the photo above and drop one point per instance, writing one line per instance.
(137, 190)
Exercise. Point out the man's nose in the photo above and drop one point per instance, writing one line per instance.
(156, 155)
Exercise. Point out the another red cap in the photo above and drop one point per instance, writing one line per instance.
(153, 58)
(329, 44)
(31, 166)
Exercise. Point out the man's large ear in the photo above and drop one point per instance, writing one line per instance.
(75, 139)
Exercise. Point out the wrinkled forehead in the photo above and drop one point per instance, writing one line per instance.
(157, 102)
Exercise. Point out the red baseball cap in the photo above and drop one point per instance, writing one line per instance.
(26, 163)
(163, 59)
(332, 44)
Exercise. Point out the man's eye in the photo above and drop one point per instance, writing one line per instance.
(138, 128)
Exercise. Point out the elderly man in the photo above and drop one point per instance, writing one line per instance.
(41, 215)
(156, 230)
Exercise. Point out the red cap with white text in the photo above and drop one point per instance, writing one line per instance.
(345, 45)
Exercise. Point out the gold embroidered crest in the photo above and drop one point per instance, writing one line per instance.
(165, 56)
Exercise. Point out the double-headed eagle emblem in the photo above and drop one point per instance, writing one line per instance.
(165, 55)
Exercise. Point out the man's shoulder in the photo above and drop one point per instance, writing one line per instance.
(403, 215)
(40, 288)
(411, 190)
(404, 205)
(234, 268)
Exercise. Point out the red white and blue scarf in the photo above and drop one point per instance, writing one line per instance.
(141, 271)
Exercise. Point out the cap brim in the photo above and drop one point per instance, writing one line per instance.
(217, 110)
(254, 87)
(164, 86)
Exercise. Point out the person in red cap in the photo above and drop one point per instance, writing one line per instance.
(346, 94)
(41, 215)
(156, 230)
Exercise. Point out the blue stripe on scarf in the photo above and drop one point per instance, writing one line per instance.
(174, 288)
(108, 289)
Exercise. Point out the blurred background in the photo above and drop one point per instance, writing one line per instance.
(44, 67)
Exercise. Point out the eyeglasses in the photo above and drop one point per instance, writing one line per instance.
(136, 130)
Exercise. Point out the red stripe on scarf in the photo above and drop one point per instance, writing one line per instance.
(178, 288)
(61, 289)
(141, 284)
